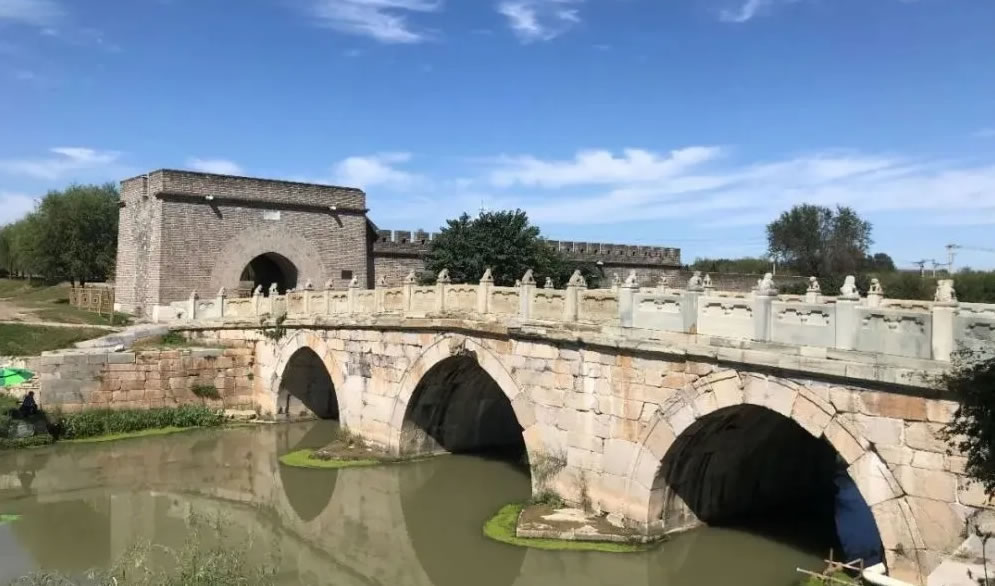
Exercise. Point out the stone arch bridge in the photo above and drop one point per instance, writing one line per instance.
(667, 428)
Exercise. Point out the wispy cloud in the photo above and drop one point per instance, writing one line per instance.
(40, 13)
(540, 20)
(13, 206)
(599, 167)
(66, 160)
(217, 166)
(387, 21)
(375, 170)
(746, 11)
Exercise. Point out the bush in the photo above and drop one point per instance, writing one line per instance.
(96, 422)
(206, 391)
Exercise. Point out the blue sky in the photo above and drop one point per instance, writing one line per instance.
(687, 123)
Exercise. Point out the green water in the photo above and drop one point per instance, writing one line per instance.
(419, 524)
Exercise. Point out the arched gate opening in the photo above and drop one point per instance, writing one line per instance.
(267, 270)
(306, 389)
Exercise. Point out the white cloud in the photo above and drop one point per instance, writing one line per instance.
(39, 13)
(652, 186)
(66, 160)
(374, 170)
(746, 11)
(217, 166)
(382, 20)
(13, 206)
(600, 166)
(539, 20)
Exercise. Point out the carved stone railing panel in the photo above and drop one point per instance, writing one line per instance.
(804, 324)
(505, 300)
(461, 298)
(422, 300)
(393, 300)
(598, 306)
(730, 317)
(894, 331)
(548, 304)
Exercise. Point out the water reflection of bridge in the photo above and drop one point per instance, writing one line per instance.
(401, 525)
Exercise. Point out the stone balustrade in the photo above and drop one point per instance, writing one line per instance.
(847, 321)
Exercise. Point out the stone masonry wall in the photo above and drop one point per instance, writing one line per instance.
(144, 379)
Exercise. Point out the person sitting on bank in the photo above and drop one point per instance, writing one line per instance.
(29, 407)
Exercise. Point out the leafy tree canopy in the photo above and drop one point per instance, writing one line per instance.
(817, 240)
(503, 241)
(745, 265)
(72, 234)
(971, 382)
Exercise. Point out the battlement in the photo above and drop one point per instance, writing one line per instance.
(417, 241)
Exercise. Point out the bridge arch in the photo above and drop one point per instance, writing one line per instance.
(294, 255)
(687, 456)
(461, 361)
(307, 374)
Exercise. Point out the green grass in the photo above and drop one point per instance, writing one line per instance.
(36, 441)
(12, 287)
(67, 314)
(110, 437)
(303, 459)
(51, 303)
(4, 519)
(27, 340)
(501, 527)
(837, 578)
(92, 423)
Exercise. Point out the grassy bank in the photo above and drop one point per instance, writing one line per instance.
(107, 424)
(501, 527)
(30, 340)
(102, 425)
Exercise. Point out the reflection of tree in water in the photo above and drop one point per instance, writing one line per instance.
(445, 502)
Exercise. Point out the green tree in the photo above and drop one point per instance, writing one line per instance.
(819, 241)
(502, 241)
(879, 262)
(970, 382)
(76, 233)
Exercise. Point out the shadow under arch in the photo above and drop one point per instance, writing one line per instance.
(747, 466)
(306, 388)
(309, 492)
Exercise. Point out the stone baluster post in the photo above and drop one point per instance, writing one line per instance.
(273, 292)
(875, 294)
(571, 305)
(847, 315)
(484, 293)
(944, 314)
(351, 295)
(526, 294)
(407, 291)
(814, 292)
(378, 295)
(257, 296)
(308, 293)
(616, 283)
(763, 299)
(192, 305)
(328, 297)
(627, 301)
(219, 301)
(441, 282)
(689, 302)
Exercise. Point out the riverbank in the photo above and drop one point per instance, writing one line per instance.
(101, 425)
(574, 530)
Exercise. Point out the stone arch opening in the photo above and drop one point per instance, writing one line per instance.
(266, 270)
(750, 467)
(457, 407)
(306, 389)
